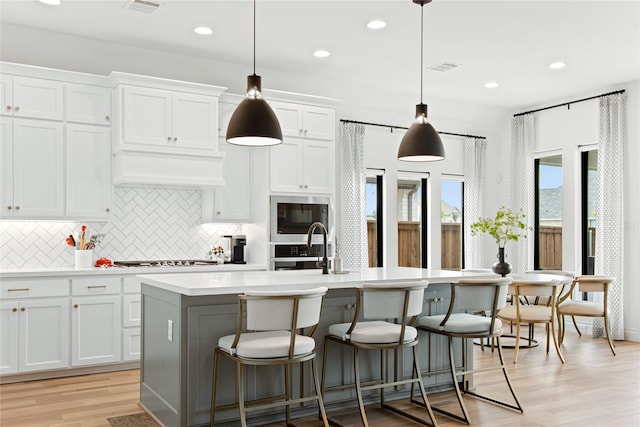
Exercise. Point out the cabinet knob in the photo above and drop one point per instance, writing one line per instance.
(14, 309)
(218, 213)
(300, 131)
(175, 139)
(300, 186)
(306, 186)
(169, 138)
(75, 305)
(108, 210)
(8, 107)
(17, 208)
(348, 306)
(23, 309)
(16, 108)
(107, 118)
(305, 132)
(9, 207)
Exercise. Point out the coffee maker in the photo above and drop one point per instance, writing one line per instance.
(236, 245)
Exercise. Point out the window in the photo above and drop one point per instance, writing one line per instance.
(411, 205)
(589, 184)
(548, 207)
(451, 215)
(374, 217)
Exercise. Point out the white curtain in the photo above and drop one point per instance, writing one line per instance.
(610, 208)
(520, 254)
(351, 210)
(475, 190)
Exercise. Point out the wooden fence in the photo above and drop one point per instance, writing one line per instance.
(450, 256)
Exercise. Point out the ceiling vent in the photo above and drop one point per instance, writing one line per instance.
(443, 66)
(142, 6)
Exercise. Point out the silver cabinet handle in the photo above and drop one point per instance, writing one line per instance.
(18, 290)
(96, 286)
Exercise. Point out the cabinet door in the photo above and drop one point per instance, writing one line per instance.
(8, 337)
(289, 116)
(147, 115)
(43, 334)
(6, 95)
(318, 123)
(131, 344)
(286, 166)
(37, 98)
(194, 121)
(6, 162)
(38, 168)
(131, 310)
(88, 104)
(95, 330)
(232, 202)
(317, 161)
(88, 171)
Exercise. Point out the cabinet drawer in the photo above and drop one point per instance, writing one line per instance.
(131, 285)
(34, 288)
(95, 286)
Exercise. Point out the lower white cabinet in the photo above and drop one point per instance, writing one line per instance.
(131, 319)
(95, 330)
(96, 325)
(35, 335)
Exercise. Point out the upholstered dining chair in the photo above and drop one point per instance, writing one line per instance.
(469, 297)
(520, 312)
(272, 336)
(567, 306)
(387, 310)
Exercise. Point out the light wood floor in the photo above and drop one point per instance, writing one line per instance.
(592, 389)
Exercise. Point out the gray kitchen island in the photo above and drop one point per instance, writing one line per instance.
(184, 315)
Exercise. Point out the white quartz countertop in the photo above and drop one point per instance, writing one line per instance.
(20, 273)
(226, 283)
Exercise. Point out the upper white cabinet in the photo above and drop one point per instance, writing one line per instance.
(88, 104)
(88, 184)
(32, 97)
(32, 168)
(304, 162)
(306, 121)
(162, 117)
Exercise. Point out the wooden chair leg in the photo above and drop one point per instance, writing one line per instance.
(552, 326)
(608, 332)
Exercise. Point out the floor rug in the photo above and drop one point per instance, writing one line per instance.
(134, 420)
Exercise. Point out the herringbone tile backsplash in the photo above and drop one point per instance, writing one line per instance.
(146, 223)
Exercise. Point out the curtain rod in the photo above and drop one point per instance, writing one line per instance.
(568, 104)
(392, 127)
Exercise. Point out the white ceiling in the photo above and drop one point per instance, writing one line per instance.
(509, 41)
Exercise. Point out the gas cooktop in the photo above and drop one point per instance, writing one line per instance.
(164, 263)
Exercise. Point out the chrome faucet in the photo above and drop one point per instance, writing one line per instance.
(325, 262)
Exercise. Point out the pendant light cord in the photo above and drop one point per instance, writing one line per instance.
(421, 47)
(254, 37)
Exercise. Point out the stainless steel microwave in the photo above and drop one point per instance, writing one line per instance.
(291, 216)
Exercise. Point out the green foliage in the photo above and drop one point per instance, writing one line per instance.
(507, 225)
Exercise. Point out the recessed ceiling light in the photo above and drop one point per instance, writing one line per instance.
(51, 2)
(203, 31)
(557, 65)
(491, 85)
(376, 24)
(321, 54)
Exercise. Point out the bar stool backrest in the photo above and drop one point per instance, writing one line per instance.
(275, 310)
(594, 283)
(388, 300)
(479, 295)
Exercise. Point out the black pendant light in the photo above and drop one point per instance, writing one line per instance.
(254, 123)
(421, 143)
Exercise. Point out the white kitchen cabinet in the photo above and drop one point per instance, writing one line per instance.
(302, 166)
(231, 201)
(33, 168)
(32, 97)
(35, 325)
(96, 320)
(167, 118)
(88, 104)
(131, 318)
(88, 166)
(306, 121)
